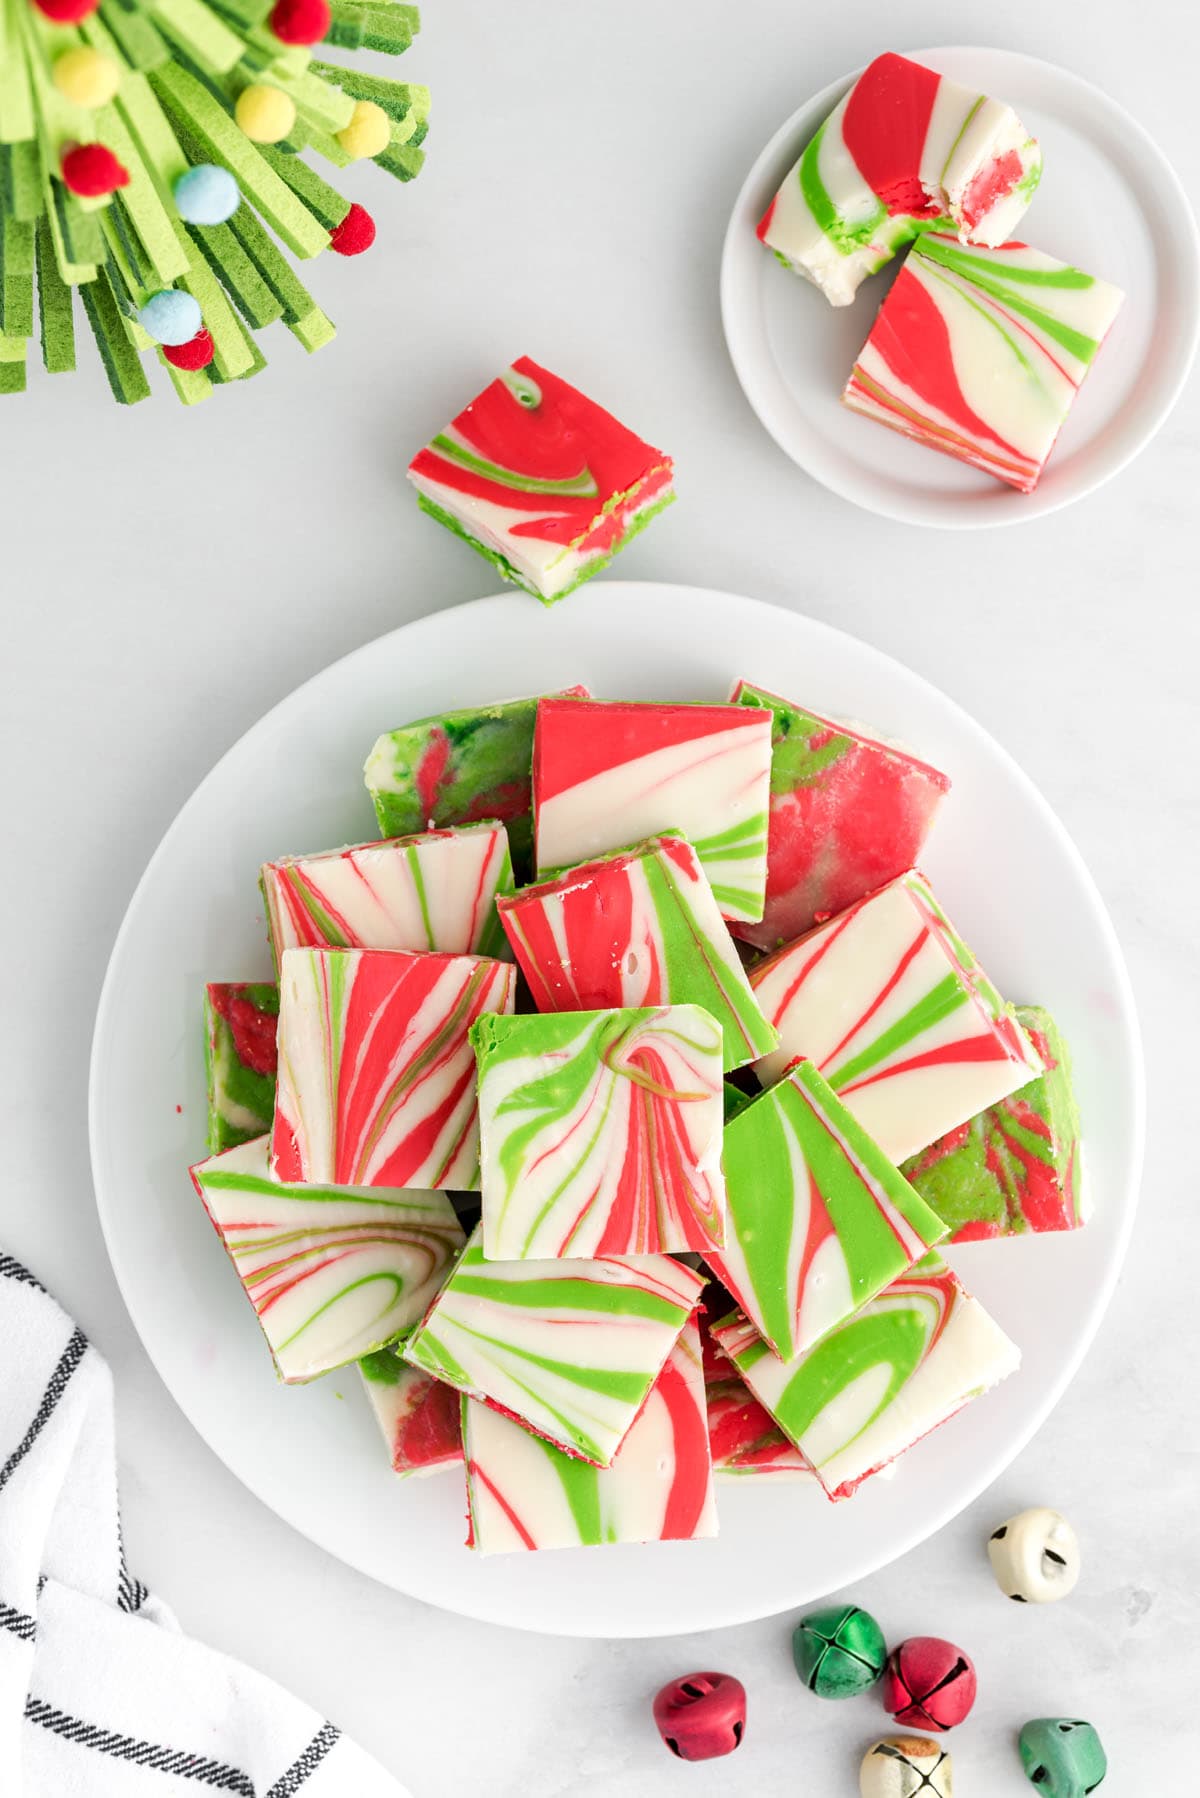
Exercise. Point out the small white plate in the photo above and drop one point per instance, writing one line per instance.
(1000, 860)
(1109, 202)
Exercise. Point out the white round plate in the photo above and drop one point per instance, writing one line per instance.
(1109, 202)
(999, 859)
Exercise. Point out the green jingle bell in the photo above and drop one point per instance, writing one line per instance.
(1062, 1756)
(839, 1651)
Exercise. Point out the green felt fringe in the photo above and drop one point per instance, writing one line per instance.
(183, 65)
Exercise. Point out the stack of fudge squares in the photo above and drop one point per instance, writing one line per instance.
(983, 341)
(610, 1113)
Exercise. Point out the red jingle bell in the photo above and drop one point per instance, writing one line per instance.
(701, 1716)
(928, 1683)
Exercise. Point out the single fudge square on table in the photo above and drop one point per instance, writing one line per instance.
(460, 767)
(905, 150)
(333, 1273)
(601, 1133)
(1017, 1166)
(890, 1005)
(818, 1220)
(524, 1493)
(637, 927)
(881, 1380)
(436, 890)
(979, 353)
(607, 776)
(848, 813)
(420, 1418)
(744, 1440)
(542, 481)
(241, 1019)
(376, 1074)
(568, 1348)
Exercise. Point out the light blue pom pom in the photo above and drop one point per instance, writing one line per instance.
(171, 316)
(206, 195)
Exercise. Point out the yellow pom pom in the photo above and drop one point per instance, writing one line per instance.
(86, 77)
(368, 132)
(265, 114)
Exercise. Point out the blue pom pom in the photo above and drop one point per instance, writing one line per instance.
(171, 316)
(206, 195)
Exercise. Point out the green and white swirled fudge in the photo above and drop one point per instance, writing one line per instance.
(569, 1348)
(883, 1379)
(600, 1133)
(333, 1273)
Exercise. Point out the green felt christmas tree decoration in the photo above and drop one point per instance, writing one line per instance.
(150, 156)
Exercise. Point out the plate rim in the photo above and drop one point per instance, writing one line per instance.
(877, 503)
(986, 1472)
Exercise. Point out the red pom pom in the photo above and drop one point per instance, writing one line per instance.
(300, 21)
(197, 352)
(66, 12)
(91, 170)
(355, 234)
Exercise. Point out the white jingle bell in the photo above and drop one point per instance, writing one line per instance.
(906, 1767)
(1035, 1556)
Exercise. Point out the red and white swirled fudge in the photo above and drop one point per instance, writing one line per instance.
(904, 151)
(376, 1081)
(890, 1005)
(542, 481)
(849, 811)
(433, 891)
(635, 928)
(606, 776)
(979, 353)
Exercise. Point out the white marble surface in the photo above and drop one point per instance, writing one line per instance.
(582, 164)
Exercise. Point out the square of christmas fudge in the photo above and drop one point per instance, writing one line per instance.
(542, 481)
(890, 1005)
(241, 1019)
(600, 1133)
(980, 353)
(819, 1220)
(524, 1493)
(568, 1348)
(906, 149)
(848, 812)
(376, 1073)
(607, 776)
(432, 891)
(1017, 1166)
(902, 1365)
(333, 1273)
(419, 1417)
(638, 927)
(459, 767)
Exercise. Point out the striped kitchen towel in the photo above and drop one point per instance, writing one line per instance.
(101, 1696)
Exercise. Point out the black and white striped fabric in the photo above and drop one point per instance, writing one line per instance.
(101, 1696)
